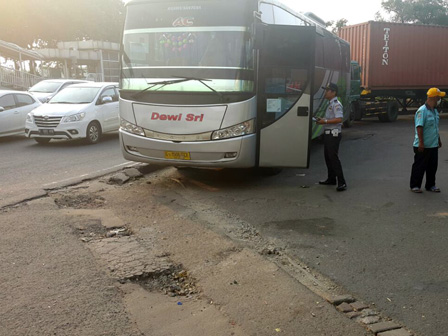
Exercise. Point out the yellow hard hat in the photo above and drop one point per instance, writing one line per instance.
(435, 92)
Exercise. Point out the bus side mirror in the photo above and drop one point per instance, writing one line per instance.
(259, 34)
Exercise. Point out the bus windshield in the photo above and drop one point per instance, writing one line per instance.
(152, 54)
(180, 48)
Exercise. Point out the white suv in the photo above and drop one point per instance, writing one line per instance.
(79, 111)
(46, 89)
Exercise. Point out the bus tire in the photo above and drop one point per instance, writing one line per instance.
(268, 171)
(93, 133)
(391, 114)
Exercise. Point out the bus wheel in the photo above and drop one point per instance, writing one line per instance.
(268, 171)
(42, 141)
(391, 113)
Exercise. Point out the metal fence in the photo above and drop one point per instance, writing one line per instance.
(16, 79)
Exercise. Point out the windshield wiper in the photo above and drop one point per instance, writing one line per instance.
(180, 80)
(64, 102)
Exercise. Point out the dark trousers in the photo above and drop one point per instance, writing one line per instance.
(424, 162)
(331, 150)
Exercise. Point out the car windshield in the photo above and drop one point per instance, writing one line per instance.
(75, 95)
(45, 87)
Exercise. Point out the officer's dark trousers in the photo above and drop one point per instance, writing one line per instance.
(425, 162)
(331, 150)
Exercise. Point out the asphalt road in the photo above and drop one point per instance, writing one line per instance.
(382, 243)
(27, 167)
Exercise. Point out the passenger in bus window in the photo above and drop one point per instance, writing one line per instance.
(427, 143)
(332, 124)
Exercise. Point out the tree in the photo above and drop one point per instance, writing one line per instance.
(417, 11)
(431, 12)
(401, 10)
(336, 26)
(45, 22)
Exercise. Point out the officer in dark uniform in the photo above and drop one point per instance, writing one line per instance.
(332, 124)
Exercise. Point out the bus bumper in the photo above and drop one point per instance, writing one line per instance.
(230, 153)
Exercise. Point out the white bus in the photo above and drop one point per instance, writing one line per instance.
(225, 83)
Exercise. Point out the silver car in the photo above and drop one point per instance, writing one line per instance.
(14, 107)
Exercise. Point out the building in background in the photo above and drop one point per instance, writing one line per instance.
(93, 60)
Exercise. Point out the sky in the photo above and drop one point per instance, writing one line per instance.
(355, 11)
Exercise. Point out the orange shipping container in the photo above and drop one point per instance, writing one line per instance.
(396, 56)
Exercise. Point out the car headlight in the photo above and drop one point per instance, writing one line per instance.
(74, 117)
(29, 117)
(131, 128)
(245, 128)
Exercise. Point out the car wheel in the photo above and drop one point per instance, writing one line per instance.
(42, 141)
(93, 133)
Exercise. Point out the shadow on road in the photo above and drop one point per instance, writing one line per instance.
(105, 138)
(12, 139)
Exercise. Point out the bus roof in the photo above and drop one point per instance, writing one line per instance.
(310, 18)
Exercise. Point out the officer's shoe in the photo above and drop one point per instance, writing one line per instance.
(327, 182)
(341, 187)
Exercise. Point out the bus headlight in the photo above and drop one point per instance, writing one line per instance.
(245, 128)
(131, 128)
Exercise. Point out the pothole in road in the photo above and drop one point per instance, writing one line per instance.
(128, 260)
(174, 282)
(79, 201)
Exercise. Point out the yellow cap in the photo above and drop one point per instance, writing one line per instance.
(435, 92)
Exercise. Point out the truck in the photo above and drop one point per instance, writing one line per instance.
(393, 65)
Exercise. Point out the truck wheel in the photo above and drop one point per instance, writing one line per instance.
(351, 116)
(42, 141)
(391, 113)
(357, 112)
(93, 133)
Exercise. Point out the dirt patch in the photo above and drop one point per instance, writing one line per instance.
(79, 201)
(178, 282)
(88, 228)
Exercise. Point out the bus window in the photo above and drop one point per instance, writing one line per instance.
(267, 13)
(282, 89)
(283, 17)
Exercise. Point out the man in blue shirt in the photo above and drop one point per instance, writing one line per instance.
(427, 143)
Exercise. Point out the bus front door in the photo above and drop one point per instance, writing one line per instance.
(286, 63)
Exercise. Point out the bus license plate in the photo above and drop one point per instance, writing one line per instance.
(177, 156)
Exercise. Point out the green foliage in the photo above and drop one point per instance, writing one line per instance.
(417, 11)
(335, 26)
(46, 22)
